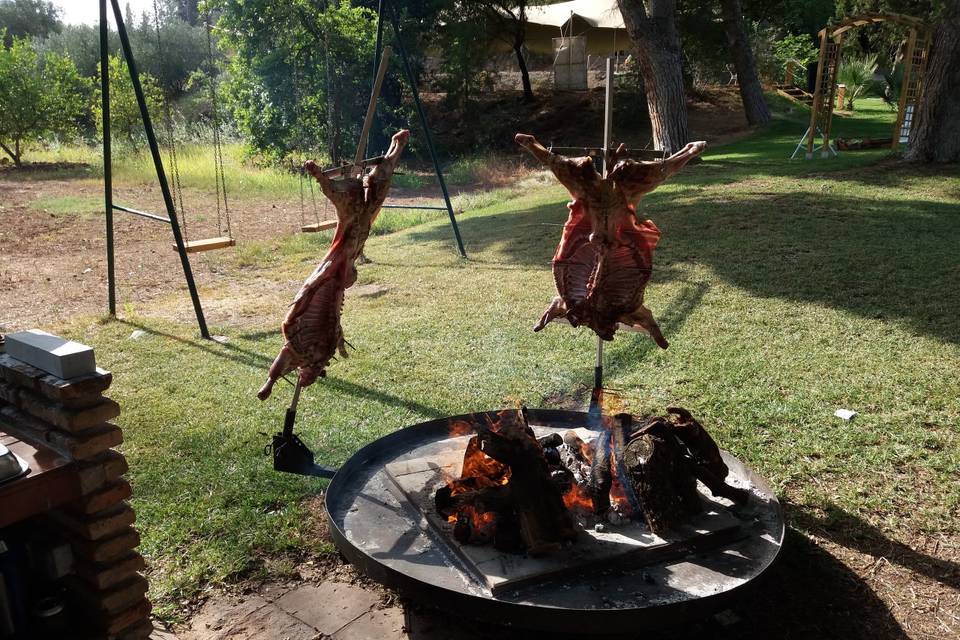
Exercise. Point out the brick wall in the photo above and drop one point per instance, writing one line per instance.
(74, 417)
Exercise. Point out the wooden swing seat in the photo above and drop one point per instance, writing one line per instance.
(319, 226)
(208, 244)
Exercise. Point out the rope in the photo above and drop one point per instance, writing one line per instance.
(300, 144)
(220, 176)
(171, 142)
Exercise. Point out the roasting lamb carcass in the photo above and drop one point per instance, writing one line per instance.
(605, 257)
(311, 329)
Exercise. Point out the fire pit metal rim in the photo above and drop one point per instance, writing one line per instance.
(539, 616)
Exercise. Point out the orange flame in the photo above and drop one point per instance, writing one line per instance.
(578, 499)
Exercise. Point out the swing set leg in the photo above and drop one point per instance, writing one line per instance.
(154, 152)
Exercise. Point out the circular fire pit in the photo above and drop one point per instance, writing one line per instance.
(377, 526)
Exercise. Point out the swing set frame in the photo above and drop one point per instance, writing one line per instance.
(109, 205)
(182, 247)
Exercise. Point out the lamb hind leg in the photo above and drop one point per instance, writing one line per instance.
(557, 309)
(643, 319)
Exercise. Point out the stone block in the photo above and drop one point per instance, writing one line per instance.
(58, 356)
(106, 549)
(114, 624)
(102, 499)
(96, 526)
(106, 602)
(67, 418)
(78, 392)
(103, 575)
(23, 426)
(138, 631)
(86, 444)
(100, 469)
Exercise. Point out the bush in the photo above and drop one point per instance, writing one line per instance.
(40, 95)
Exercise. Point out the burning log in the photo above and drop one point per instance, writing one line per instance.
(507, 493)
(662, 477)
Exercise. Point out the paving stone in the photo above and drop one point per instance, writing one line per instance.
(384, 624)
(269, 621)
(216, 617)
(329, 606)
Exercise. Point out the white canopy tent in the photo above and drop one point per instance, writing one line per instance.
(599, 20)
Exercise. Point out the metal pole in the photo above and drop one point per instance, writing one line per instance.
(378, 135)
(426, 128)
(107, 156)
(371, 107)
(607, 136)
(158, 165)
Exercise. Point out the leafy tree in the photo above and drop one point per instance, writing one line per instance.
(22, 18)
(41, 96)
(80, 43)
(125, 116)
(465, 49)
(301, 75)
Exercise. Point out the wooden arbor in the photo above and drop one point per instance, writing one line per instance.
(914, 69)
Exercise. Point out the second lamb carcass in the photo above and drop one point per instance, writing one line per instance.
(311, 329)
(605, 256)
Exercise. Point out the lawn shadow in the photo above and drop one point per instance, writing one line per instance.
(847, 530)
(882, 259)
(246, 357)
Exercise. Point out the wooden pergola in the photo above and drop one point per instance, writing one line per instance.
(914, 68)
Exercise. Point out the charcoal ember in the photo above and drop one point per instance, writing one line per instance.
(562, 478)
(552, 456)
(551, 441)
(572, 459)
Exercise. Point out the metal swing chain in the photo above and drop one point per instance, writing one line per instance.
(300, 143)
(171, 142)
(219, 174)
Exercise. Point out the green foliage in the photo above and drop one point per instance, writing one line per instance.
(773, 49)
(857, 74)
(465, 50)
(41, 95)
(301, 75)
(25, 18)
(125, 119)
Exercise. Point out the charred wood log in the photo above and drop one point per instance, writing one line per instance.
(663, 478)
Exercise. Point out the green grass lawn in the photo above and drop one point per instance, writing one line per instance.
(787, 290)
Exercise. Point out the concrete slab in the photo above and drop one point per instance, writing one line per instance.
(217, 616)
(63, 358)
(384, 624)
(328, 607)
(270, 622)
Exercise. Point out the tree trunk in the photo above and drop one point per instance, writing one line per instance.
(935, 134)
(13, 156)
(751, 92)
(524, 72)
(655, 36)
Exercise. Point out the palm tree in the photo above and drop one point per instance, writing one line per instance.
(857, 75)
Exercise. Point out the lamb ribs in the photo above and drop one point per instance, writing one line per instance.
(311, 329)
(605, 256)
